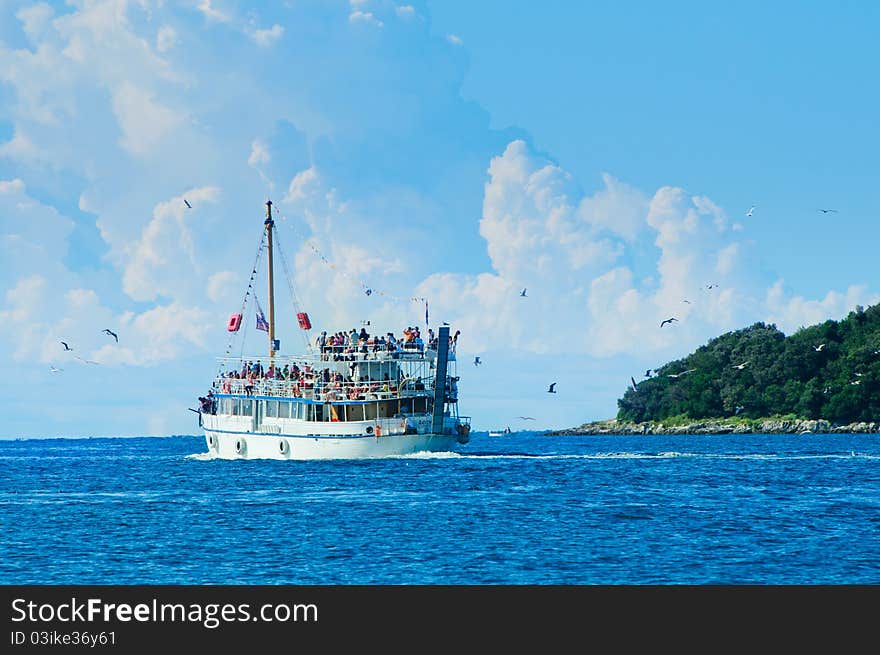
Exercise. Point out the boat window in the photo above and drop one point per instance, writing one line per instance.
(271, 408)
(283, 409)
(355, 412)
(319, 413)
(236, 406)
(247, 407)
(297, 410)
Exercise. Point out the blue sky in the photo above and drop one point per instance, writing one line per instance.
(602, 155)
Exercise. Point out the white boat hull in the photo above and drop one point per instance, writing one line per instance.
(225, 445)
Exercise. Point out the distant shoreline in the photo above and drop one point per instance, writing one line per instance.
(719, 426)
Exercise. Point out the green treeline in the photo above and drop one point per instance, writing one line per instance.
(794, 375)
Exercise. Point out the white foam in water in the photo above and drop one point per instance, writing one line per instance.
(202, 457)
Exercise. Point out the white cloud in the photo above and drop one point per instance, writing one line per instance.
(259, 153)
(35, 19)
(166, 38)
(267, 37)
(211, 13)
(405, 11)
(365, 17)
(454, 40)
(618, 208)
(221, 286)
(163, 260)
(790, 312)
(144, 122)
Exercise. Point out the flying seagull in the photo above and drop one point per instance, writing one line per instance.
(711, 286)
(55, 370)
(668, 320)
(522, 293)
(687, 301)
(85, 361)
(677, 375)
(826, 211)
(740, 366)
(186, 202)
(66, 347)
(477, 361)
(818, 348)
(751, 210)
(111, 333)
(526, 418)
(552, 388)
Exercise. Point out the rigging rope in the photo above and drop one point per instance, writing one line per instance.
(368, 290)
(244, 301)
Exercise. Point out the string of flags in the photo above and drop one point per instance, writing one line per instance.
(367, 290)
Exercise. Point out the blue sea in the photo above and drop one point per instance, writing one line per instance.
(525, 508)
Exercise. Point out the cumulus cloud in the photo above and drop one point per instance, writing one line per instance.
(166, 38)
(157, 263)
(365, 17)
(144, 122)
(266, 37)
(791, 312)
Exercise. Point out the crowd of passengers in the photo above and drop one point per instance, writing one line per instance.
(344, 346)
(308, 381)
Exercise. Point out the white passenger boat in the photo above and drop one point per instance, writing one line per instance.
(364, 397)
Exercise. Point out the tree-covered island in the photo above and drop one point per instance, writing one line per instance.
(822, 378)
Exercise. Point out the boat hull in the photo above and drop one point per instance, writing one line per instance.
(243, 445)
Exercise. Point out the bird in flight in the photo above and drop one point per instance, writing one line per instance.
(677, 375)
(818, 348)
(526, 418)
(55, 370)
(711, 286)
(687, 301)
(85, 361)
(552, 388)
(751, 211)
(66, 347)
(186, 202)
(668, 320)
(522, 293)
(828, 211)
(740, 366)
(111, 333)
(477, 361)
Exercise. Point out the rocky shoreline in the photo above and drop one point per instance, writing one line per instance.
(719, 426)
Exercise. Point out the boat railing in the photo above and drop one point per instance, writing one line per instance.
(338, 391)
(342, 354)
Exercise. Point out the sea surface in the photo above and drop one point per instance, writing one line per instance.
(524, 508)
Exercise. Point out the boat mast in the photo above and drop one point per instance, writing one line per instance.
(269, 223)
